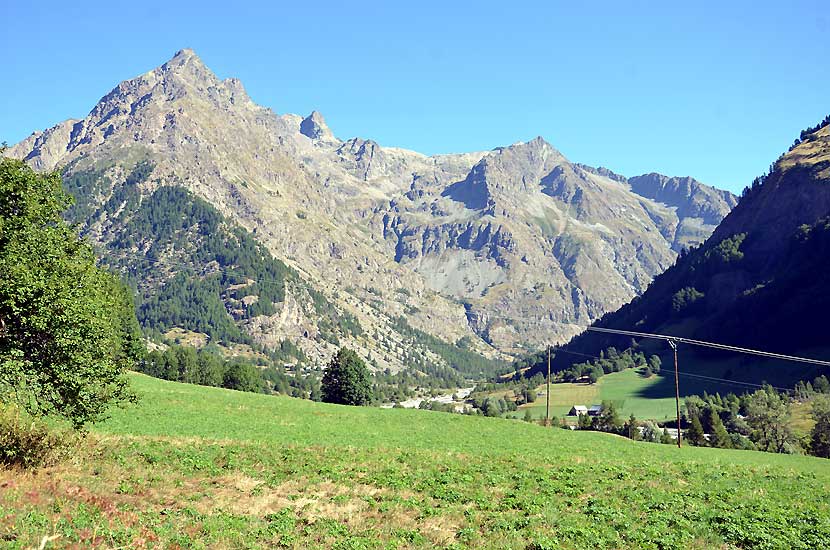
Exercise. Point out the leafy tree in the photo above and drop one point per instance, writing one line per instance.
(528, 417)
(666, 438)
(821, 384)
(740, 442)
(651, 432)
(584, 422)
(684, 298)
(67, 328)
(655, 363)
(494, 406)
(347, 380)
(820, 434)
(768, 416)
(243, 377)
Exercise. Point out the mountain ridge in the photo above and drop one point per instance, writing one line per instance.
(502, 247)
(753, 283)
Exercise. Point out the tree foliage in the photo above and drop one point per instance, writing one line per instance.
(67, 328)
(768, 415)
(347, 380)
(820, 434)
(608, 419)
(695, 435)
(719, 436)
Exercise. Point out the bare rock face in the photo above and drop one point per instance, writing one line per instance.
(314, 127)
(513, 248)
(699, 208)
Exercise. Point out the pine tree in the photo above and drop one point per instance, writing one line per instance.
(631, 428)
(694, 435)
(720, 437)
(608, 419)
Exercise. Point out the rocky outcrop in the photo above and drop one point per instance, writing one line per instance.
(314, 127)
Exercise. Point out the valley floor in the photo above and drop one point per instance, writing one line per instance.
(194, 467)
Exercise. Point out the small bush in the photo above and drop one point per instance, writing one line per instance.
(30, 442)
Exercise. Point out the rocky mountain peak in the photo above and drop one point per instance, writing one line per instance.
(314, 126)
(535, 147)
(691, 197)
(183, 58)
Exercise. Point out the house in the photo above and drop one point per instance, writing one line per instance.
(594, 410)
(578, 410)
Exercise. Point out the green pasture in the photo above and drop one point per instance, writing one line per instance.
(197, 467)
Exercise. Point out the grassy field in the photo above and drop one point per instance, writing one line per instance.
(629, 389)
(649, 398)
(195, 467)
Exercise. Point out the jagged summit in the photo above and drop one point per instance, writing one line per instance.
(188, 67)
(183, 58)
(314, 126)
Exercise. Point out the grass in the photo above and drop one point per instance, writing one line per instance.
(629, 389)
(195, 467)
(802, 420)
(649, 398)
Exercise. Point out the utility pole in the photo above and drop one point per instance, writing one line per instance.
(673, 345)
(547, 394)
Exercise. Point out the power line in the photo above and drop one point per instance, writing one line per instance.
(724, 381)
(680, 340)
(732, 382)
(674, 340)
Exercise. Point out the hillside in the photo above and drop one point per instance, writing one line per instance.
(500, 251)
(756, 282)
(193, 466)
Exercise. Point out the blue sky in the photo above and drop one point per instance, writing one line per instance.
(715, 90)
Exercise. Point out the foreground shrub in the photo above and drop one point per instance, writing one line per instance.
(30, 442)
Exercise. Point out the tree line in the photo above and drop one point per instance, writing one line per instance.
(760, 420)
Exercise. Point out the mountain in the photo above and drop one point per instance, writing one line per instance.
(756, 282)
(488, 253)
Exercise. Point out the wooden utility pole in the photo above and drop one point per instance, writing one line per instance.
(673, 345)
(547, 394)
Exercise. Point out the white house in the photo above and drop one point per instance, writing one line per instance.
(578, 410)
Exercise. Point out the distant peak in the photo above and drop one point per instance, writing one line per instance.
(185, 52)
(314, 126)
(182, 59)
(534, 147)
(538, 143)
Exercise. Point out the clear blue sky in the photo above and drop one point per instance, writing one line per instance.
(715, 90)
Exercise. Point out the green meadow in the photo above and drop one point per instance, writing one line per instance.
(647, 398)
(197, 467)
(629, 390)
